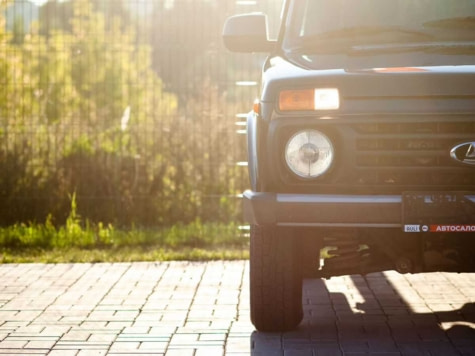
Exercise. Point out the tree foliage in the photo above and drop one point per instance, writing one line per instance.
(132, 113)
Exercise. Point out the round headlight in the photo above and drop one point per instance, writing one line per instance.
(309, 153)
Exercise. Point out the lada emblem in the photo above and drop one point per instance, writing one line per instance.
(464, 153)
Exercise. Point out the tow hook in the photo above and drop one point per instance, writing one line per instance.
(404, 265)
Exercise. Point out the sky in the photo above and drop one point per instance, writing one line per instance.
(38, 2)
(41, 2)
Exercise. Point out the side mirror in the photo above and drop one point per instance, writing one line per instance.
(247, 33)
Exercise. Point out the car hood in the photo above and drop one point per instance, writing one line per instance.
(372, 82)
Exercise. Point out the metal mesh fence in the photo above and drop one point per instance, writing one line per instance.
(132, 107)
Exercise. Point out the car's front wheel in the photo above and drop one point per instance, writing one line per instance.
(275, 280)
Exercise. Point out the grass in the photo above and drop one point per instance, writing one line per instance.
(95, 243)
(124, 254)
(83, 241)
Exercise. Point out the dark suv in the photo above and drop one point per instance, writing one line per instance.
(361, 145)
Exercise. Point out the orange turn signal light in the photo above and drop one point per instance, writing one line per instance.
(297, 100)
(309, 99)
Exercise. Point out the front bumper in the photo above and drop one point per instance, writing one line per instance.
(312, 210)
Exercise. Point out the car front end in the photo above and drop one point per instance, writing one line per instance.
(362, 145)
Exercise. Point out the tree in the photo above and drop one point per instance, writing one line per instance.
(66, 118)
(131, 112)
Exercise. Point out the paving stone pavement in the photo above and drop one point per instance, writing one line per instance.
(184, 308)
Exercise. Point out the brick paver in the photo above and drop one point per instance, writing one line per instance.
(184, 308)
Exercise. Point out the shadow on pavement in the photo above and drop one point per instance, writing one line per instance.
(368, 315)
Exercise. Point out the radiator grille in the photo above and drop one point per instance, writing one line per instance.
(412, 154)
(442, 128)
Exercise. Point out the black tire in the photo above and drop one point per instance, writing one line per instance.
(275, 280)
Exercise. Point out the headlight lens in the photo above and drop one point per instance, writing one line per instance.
(309, 154)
